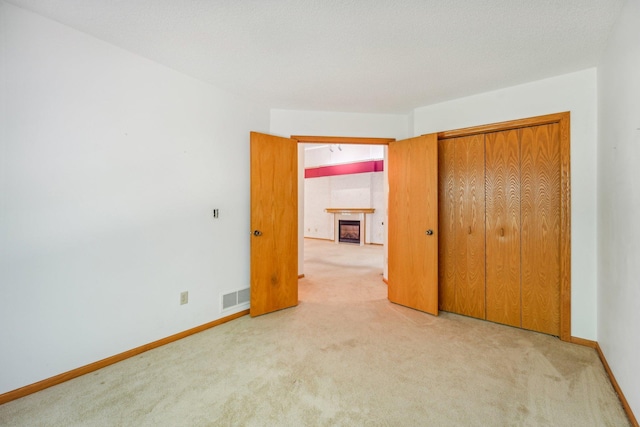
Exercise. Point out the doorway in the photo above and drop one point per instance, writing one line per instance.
(412, 278)
(343, 201)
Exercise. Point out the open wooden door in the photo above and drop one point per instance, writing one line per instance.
(274, 222)
(413, 223)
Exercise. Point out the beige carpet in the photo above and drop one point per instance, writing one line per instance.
(344, 357)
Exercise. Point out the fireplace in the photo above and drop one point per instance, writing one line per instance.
(349, 231)
(355, 220)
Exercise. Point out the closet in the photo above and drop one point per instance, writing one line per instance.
(502, 230)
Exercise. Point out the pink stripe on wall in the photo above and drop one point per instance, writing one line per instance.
(346, 169)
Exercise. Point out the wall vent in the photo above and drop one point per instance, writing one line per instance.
(235, 298)
(243, 296)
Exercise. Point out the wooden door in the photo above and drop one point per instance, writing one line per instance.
(447, 226)
(527, 222)
(540, 183)
(274, 222)
(413, 223)
(502, 161)
(470, 224)
(462, 238)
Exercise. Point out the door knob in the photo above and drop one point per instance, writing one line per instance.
(429, 232)
(257, 233)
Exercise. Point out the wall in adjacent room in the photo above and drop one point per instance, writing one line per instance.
(320, 123)
(575, 92)
(110, 166)
(353, 190)
(362, 190)
(619, 203)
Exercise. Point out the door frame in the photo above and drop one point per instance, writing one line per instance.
(411, 264)
(314, 139)
(564, 121)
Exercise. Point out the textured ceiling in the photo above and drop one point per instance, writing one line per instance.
(351, 55)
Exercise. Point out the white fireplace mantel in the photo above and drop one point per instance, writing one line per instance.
(351, 210)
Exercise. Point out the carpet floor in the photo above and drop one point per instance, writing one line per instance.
(345, 356)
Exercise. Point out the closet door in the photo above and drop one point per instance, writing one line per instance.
(469, 225)
(540, 170)
(502, 186)
(462, 255)
(446, 225)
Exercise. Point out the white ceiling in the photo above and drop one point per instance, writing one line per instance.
(381, 56)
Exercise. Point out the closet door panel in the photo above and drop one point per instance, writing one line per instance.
(469, 226)
(540, 168)
(446, 225)
(502, 185)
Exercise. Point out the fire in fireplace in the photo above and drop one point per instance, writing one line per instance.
(349, 231)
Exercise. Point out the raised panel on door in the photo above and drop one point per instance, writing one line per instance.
(413, 223)
(446, 225)
(540, 212)
(469, 226)
(274, 222)
(502, 223)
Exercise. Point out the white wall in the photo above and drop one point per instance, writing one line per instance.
(316, 155)
(362, 190)
(291, 122)
(619, 203)
(322, 123)
(318, 223)
(110, 167)
(576, 93)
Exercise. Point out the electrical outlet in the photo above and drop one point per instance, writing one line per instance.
(184, 297)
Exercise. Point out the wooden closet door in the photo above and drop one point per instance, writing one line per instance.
(469, 226)
(502, 186)
(461, 212)
(540, 169)
(446, 225)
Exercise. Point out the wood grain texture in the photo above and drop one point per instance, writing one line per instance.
(274, 212)
(413, 209)
(470, 226)
(563, 121)
(503, 126)
(503, 227)
(540, 181)
(446, 226)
